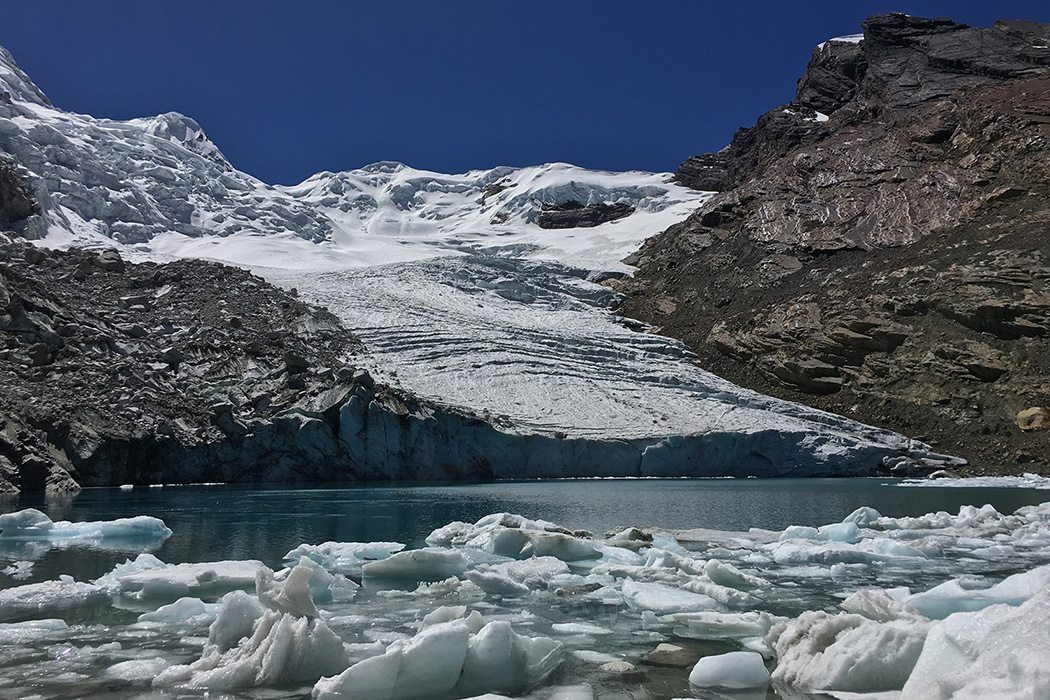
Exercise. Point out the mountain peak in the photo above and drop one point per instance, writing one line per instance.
(16, 85)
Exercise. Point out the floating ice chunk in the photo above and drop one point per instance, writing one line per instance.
(19, 570)
(514, 579)
(839, 532)
(818, 651)
(863, 516)
(618, 554)
(429, 564)
(878, 604)
(950, 597)
(669, 543)
(238, 612)
(31, 524)
(446, 657)
(514, 536)
(452, 586)
(737, 669)
(717, 625)
(799, 532)
(144, 562)
(325, 587)
(630, 537)
(137, 669)
(564, 547)
(1025, 481)
(998, 652)
(497, 584)
(725, 574)
(661, 558)
(501, 660)
(664, 600)
(473, 619)
(184, 611)
(582, 691)
(291, 595)
(282, 650)
(18, 633)
(151, 578)
(35, 598)
(429, 664)
(805, 551)
(968, 517)
(594, 657)
(454, 532)
(250, 646)
(343, 557)
(580, 628)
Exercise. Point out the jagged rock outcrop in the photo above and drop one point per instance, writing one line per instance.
(575, 215)
(879, 246)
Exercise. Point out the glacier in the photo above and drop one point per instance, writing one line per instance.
(944, 617)
(460, 293)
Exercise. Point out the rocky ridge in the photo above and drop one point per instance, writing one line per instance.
(879, 246)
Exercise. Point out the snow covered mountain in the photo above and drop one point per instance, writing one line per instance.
(475, 290)
(159, 185)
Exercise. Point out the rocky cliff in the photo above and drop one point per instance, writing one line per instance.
(880, 247)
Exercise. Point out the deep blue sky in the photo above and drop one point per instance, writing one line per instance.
(290, 88)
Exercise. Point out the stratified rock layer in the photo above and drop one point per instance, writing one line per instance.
(879, 246)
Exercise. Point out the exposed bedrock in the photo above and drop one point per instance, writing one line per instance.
(576, 215)
(879, 247)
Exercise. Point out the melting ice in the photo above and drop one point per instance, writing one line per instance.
(937, 606)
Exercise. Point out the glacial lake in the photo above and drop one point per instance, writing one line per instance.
(214, 523)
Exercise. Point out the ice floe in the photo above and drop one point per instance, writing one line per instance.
(1025, 481)
(31, 533)
(46, 597)
(734, 670)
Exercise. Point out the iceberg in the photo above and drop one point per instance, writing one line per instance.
(664, 600)
(951, 597)
(453, 655)
(149, 577)
(343, 557)
(735, 670)
(282, 650)
(31, 527)
(430, 564)
(820, 651)
(184, 611)
(46, 597)
(1001, 651)
(275, 639)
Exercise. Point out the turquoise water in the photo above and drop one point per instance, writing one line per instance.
(235, 522)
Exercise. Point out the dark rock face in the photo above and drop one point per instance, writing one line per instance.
(99, 357)
(576, 215)
(16, 204)
(892, 261)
